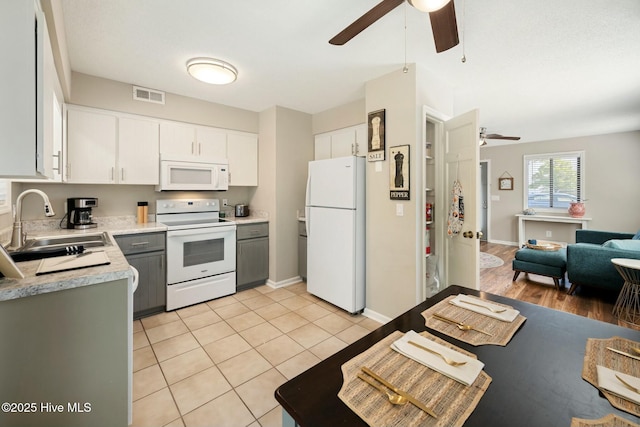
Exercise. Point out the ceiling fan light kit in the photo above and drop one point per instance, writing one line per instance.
(212, 71)
(428, 5)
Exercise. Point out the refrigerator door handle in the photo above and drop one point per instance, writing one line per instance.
(306, 204)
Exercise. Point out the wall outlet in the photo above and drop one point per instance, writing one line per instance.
(548, 233)
(399, 209)
(225, 202)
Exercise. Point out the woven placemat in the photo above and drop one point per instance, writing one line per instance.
(501, 332)
(610, 420)
(452, 401)
(596, 353)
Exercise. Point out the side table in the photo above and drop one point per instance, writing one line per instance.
(627, 306)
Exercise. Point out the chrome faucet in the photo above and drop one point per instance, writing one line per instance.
(18, 237)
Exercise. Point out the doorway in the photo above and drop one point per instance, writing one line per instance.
(484, 199)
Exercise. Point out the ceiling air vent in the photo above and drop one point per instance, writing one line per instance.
(148, 95)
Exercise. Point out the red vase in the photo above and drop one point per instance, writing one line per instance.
(576, 210)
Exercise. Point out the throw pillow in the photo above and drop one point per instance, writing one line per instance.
(637, 236)
(626, 244)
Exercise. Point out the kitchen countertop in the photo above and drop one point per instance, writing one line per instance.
(118, 269)
(248, 219)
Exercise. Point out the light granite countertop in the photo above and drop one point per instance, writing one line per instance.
(118, 269)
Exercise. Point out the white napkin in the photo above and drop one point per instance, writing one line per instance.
(465, 374)
(506, 316)
(608, 381)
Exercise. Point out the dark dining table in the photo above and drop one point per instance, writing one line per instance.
(537, 376)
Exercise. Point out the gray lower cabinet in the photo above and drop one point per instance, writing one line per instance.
(252, 255)
(146, 253)
(302, 250)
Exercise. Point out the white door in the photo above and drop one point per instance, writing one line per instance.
(461, 153)
(331, 246)
(332, 183)
(91, 147)
(343, 143)
(138, 151)
(211, 143)
(177, 140)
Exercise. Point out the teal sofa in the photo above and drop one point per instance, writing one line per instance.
(589, 259)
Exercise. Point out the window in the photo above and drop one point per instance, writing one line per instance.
(553, 181)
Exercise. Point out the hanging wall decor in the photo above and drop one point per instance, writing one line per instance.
(399, 173)
(505, 182)
(376, 134)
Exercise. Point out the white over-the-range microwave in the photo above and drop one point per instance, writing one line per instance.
(187, 175)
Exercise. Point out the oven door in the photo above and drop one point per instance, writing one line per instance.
(200, 252)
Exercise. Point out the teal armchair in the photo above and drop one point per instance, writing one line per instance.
(589, 263)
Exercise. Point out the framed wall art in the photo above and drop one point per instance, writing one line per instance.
(505, 182)
(376, 134)
(399, 185)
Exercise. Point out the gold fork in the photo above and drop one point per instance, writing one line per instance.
(494, 310)
(460, 325)
(629, 386)
(443, 357)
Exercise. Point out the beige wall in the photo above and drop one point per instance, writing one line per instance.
(391, 240)
(286, 147)
(611, 185)
(96, 92)
(339, 117)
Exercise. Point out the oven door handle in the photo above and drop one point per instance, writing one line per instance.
(198, 231)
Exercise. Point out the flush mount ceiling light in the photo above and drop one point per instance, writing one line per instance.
(213, 71)
(428, 5)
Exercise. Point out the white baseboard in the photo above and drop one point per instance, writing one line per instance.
(283, 283)
(502, 242)
(376, 316)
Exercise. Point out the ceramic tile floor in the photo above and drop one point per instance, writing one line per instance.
(218, 363)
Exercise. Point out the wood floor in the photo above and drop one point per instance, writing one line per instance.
(588, 302)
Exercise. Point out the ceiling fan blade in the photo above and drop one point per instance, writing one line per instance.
(498, 136)
(377, 12)
(444, 27)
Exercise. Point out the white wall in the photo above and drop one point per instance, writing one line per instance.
(611, 185)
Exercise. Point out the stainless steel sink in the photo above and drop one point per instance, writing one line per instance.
(57, 242)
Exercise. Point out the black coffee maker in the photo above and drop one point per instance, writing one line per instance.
(79, 212)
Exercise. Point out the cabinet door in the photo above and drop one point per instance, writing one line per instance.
(177, 140)
(322, 147)
(343, 143)
(211, 144)
(242, 152)
(138, 151)
(252, 258)
(151, 294)
(91, 147)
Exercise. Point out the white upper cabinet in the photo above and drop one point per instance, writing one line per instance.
(91, 147)
(184, 141)
(25, 78)
(138, 151)
(322, 146)
(351, 141)
(105, 147)
(242, 152)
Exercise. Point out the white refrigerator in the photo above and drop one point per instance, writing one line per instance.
(335, 218)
